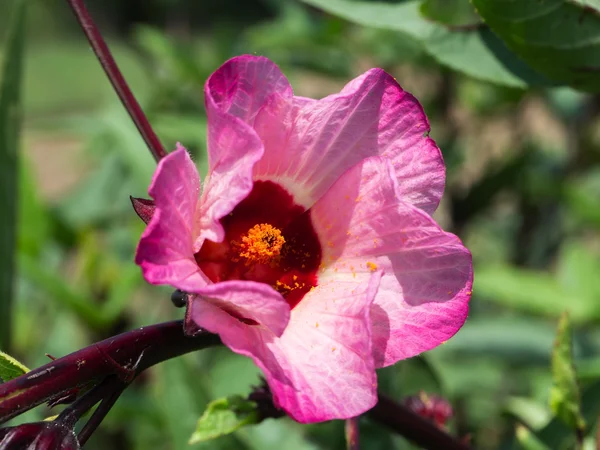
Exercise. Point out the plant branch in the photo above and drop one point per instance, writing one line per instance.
(71, 415)
(100, 413)
(116, 78)
(114, 363)
(125, 355)
(413, 427)
(352, 431)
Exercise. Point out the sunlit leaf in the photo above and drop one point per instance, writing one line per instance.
(559, 38)
(454, 13)
(565, 396)
(10, 368)
(476, 52)
(528, 411)
(224, 416)
(515, 340)
(557, 435)
(578, 269)
(527, 439)
(533, 291)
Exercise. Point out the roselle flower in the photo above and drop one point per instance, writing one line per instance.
(310, 246)
(38, 436)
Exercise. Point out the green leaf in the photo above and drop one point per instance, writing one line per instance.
(476, 52)
(528, 440)
(10, 124)
(578, 269)
(536, 292)
(33, 218)
(512, 339)
(10, 368)
(224, 416)
(565, 396)
(558, 38)
(60, 291)
(559, 436)
(455, 13)
(582, 197)
(528, 411)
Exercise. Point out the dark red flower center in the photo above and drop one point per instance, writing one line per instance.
(269, 239)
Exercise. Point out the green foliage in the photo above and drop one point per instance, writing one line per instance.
(523, 192)
(575, 285)
(10, 368)
(565, 397)
(475, 52)
(570, 56)
(10, 125)
(224, 416)
(454, 13)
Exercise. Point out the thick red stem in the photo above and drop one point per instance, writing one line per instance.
(125, 355)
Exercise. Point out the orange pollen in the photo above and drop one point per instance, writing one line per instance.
(261, 245)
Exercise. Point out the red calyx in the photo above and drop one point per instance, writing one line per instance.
(143, 207)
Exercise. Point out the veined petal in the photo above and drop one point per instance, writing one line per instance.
(427, 274)
(243, 84)
(322, 367)
(309, 144)
(329, 353)
(248, 301)
(233, 149)
(165, 251)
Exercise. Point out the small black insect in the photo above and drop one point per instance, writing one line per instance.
(179, 298)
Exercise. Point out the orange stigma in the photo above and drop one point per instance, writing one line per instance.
(261, 245)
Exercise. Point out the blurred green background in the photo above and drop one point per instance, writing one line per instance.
(523, 192)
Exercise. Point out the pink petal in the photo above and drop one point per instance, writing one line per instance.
(250, 301)
(233, 149)
(321, 368)
(329, 353)
(243, 84)
(423, 297)
(308, 145)
(165, 249)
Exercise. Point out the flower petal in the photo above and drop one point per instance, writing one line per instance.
(321, 368)
(423, 297)
(165, 249)
(243, 84)
(248, 301)
(329, 353)
(233, 149)
(308, 145)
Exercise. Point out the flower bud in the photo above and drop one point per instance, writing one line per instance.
(38, 436)
(431, 407)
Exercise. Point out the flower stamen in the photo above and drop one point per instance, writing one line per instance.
(261, 245)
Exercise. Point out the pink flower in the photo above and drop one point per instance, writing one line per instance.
(310, 246)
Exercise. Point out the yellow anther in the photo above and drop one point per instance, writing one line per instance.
(261, 245)
(371, 266)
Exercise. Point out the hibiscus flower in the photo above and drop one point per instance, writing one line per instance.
(310, 247)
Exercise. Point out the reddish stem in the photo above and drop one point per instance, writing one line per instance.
(125, 355)
(128, 354)
(413, 427)
(117, 80)
(352, 433)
